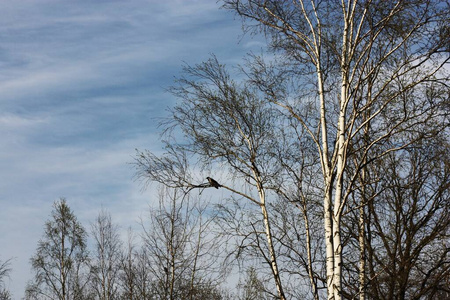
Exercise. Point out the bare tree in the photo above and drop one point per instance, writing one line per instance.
(106, 257)
(228, 125)
(5, 294)
(335, 49)
(409, 226)
(5, 269)
(180, 250)
(128, 269)
(351, 79)
(252, 287)
(61, 259)
(143, 275)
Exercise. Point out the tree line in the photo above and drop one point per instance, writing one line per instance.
(174, 257)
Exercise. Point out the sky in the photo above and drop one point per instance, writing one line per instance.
(82, 85)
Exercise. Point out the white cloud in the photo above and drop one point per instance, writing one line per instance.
(81, 85)
(14, 121)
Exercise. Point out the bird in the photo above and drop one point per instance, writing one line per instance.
(213, 183)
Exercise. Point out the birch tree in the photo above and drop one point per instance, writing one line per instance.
(350, 83)
(128, 274)
(4, 273)
(362, 59)
(409, 225)
(105, 264)
(61, 259)
(180, 249)
(252, 287)
(226, 124)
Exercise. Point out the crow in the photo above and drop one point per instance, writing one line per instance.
(213, 183)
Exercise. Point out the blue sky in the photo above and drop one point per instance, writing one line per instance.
(82, 84)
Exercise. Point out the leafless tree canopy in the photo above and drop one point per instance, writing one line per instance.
(5, 269)
(327, 129)
(61, 258)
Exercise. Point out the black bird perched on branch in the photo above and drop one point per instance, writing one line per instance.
(213, 183)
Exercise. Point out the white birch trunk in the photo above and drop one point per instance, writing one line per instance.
(362, 256)
(338, 201)
(268, 232)
(362, 219)
(308, 251)
(328, 178)
(341, 157)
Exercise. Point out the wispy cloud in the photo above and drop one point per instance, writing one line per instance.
(82, 83)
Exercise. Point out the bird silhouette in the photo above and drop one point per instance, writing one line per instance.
(213, 183)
